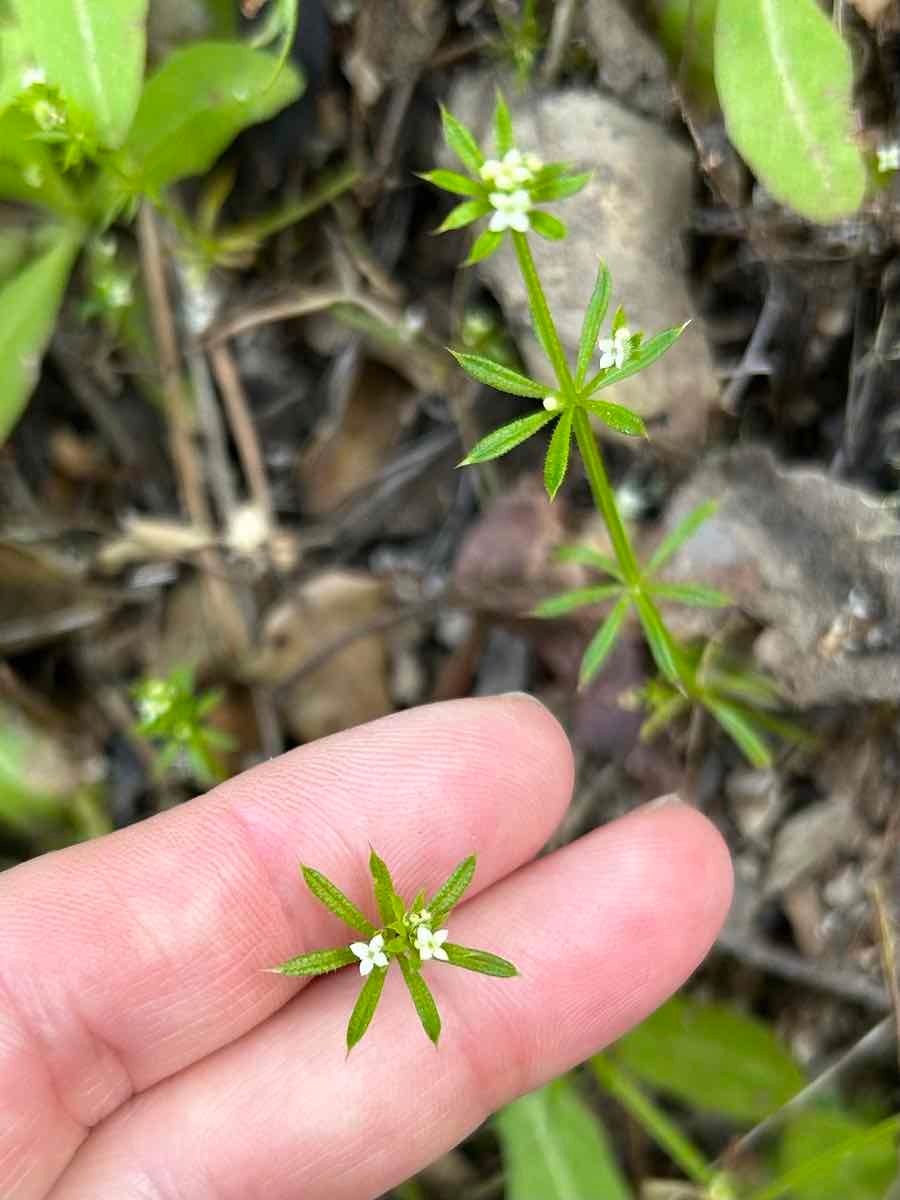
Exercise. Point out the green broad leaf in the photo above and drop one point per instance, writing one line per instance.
(555, 1148)
(506, 438)
(16, 57)
(687, 32)
(693, 594)
(559, 188)
(789, 62)
(547, 226)
(602, 642)
(742, 728)
(479, 960)
(713, 1058)
(319, 962)
(451, 892)
(497, 376)
(648, 352)
(29, 302)
(483, 246)
(622, 420)
(451, 181)
(364, 1008)
(586, 557)
(335, 900)
(865, 1173)
(683, 531)
(593, 319)
(463, 214)
(461, 142)
(503, 130)
(658, 638)
(421, 998)
(851, 1155)
(195, 104)
(558, 606)
(93, 51)
(384, 889)
(557, 459)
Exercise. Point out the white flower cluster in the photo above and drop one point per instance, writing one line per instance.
(615, 351)
(429, 945)
(511, 176)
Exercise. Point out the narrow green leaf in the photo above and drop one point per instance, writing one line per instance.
(318, 962)
(739, 725)
(29, 303)
(602, 642)
(506, 438)
(503, 130)
(366, 1003)
(648, 352)
(93, 51)
(789, 62)
(587, 557)
(823, 1166)
(483, 246)
(559, 188)
(619, 320)
(421, 998)
(864, 1173)
(622, 420)
(195, 104)
(451, 892)
(751, 686)
(497, 376)
(557, 459)
(16, 56)
(28, 168)
(384, 888)
(684, 530)
(335, 900)
(463, 214)
(664, 714)
(681, 1048)
(658, 638)
(461, 141)
(451, 181)
(479, 960)
(693, 594)
(558, 606)
(280, 25)
(593, 319)
(554, 1148)
(547, 226)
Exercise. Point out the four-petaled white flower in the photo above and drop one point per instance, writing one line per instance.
(552, 403)
(511, 211)
(370, 954)
(511, 171)
(431, 945)
(615, 351)
(889, 157)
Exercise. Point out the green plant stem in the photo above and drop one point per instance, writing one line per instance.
(654, 1121)
(604, 498)
(542, 318)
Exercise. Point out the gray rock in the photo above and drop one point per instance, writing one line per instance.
(630, 63)
(809, 840)
(631, 214)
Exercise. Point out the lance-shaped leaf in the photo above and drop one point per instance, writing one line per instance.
(335, 900)
(366, 1003)
(385, 895)
(557, 459)
(593, 319)
(421, 998)
(464, 214)
(461, 141)
(503, 130)
(452, 181)
(506, 438)
(602, 642)
(685, 529)
(558, 606)
(739, 724)
(559, 188)
(622, 420)
(485, 244)
(450, 894)
(648, 352)
(318, 962)
(479, 960)
(497, 376)
(693, 594)
(586, 557)
(658, 638)
(547, 226)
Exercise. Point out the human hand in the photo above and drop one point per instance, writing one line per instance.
(144, 1054)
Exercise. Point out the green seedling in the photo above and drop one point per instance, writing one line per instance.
(173, 715)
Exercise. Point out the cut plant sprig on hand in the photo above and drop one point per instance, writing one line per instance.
(410, 934)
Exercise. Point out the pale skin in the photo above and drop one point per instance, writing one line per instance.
(146, 1055)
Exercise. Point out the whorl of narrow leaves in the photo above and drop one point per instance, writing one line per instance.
(450, 894)
(317, 962)
(335, 900)
(480, 961)
(364, 1009)
(422, 999)
(566, 602)
(497, 376)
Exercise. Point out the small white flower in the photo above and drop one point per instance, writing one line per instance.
(431, 945)
(370, 954)
(32, 76)
(615, 351)
(889, 157)
(511, 171)
(511, 211)
(552, 403)
(422, 917)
